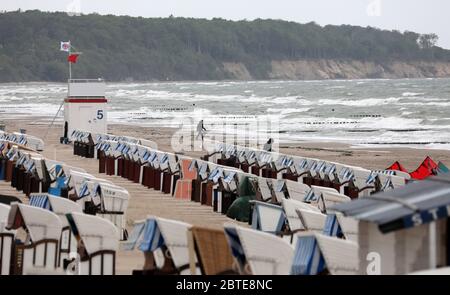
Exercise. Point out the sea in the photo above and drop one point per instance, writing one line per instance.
(405, 112)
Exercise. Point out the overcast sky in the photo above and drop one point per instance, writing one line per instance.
(414, 15)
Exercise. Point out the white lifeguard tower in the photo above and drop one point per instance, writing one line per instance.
(85, 107)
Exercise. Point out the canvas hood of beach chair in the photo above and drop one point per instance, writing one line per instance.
(29, 141)
(329, 172)
(407, 226)
(311, 220)
(235, 246)
(297, 190)
(97, 241)
(300, 167)
(279, 189)
(317, 254)
(266, 254)
(61, 207)
(113, 205)
(201, 167)
(229, 151)
(263, 159)
(315, 196)
(264, 189)
(175, 234)
(6, 241)
(290, 207)
(267, 217)
(282, 162)
(328, 199)
(40, 249)
(365, 181)
(349, 227)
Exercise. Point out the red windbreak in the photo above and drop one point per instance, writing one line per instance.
(426, 169)
(398, 167)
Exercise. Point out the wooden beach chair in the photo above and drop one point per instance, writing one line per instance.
(61, 207)
(98, 243)
(290, 207)
(39, 252)
(210, 246)
(6, 241)
(265, 253)
(267, 217)
(175, 234)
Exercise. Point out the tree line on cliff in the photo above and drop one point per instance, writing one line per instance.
(123, 48)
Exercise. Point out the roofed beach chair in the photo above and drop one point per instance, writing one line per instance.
(279, 190)
(328, 199)
(341, 256)
(6, 241)
(297, 190)
(290, 208)
(39, 252)
(235, 246)
(267, 217)
(211, 248)
(113, 205)
(97, 244)
(264, 190)
(265, 253)
(311, 220)
(175, 238)
(317, 254)
(61, 207)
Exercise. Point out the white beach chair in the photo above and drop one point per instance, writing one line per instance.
(6, 241)
(236, 249)
(349, 227)
(98, 242)
(265, 253)
(311, 220)
(297, 190)
(279, 189)
(175, 234)
(68, 243)
(40, 250)
(113, 205)
(341, 256)
(317, 254)
(267, 217)
(290, 206)
(264, 192)
(329, 199)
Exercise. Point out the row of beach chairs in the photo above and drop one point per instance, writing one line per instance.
(22, 139)
(219, 186)
(73, 221)
(174, 247)
(349, 180)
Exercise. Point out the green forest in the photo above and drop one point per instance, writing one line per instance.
(122, 48)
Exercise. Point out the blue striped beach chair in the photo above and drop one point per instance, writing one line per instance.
(40, 201)
(236, 247)
(308, 259)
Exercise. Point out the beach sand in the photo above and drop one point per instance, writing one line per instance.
(144, 202)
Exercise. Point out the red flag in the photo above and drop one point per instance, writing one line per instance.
(72, 58)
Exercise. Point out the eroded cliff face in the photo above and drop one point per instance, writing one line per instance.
(344, 69)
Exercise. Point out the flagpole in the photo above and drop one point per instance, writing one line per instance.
(70, 64)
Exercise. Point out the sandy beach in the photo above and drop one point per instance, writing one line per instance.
(146, 202)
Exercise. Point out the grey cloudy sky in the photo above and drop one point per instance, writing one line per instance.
(414, 15)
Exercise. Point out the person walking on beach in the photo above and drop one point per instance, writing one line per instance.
(268, 145)
(201, 130)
